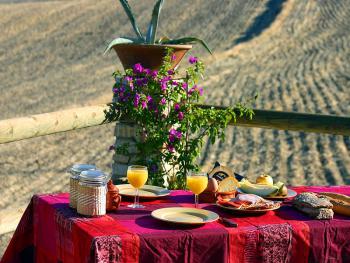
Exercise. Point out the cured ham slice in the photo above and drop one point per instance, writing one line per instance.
(247, 202)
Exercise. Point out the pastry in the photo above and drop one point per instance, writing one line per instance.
(315, 206)
(224, 189)
(341, 203)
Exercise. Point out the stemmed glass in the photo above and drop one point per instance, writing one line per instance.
(197, 182)
(137, 177)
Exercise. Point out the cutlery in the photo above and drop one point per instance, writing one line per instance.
(227, 222)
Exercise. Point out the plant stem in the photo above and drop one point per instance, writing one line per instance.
(187, 132)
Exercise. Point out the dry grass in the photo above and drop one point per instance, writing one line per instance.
(293, 53)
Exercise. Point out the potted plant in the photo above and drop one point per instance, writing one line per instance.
(169, 121)
(147, 49)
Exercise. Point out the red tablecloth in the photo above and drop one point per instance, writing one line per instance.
(50, 231)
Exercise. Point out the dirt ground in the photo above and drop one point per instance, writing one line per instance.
(294, 54)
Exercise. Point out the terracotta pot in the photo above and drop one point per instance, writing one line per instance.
(150, 56)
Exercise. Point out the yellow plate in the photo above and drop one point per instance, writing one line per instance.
(245, 211)
(185, 215)
(147, 191)
(291, 193)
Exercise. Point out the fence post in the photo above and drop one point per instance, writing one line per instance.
(125, 133)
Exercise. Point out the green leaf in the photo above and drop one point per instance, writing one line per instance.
(119, 40)
(153, 26)
(129, 13)
(188, 40)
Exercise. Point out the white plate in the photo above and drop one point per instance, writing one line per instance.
(185, 215)
(248, 211)
(291, 193)
(147, 191)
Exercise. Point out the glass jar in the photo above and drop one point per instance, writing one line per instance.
(74, 172)
(92, 190)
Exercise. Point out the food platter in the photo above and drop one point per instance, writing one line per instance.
(185, 215)
(291, 193)
(248, 211)
(147, 191)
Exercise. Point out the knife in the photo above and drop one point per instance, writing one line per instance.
(228, 222)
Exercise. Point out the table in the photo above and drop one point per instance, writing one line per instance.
(50, 231)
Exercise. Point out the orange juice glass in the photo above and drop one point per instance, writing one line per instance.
(137, 177)
(197, 182)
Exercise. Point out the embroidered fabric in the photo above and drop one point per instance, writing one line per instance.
(106, 249)
(269, 244)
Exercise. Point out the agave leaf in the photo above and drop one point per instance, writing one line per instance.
(119, 40)
(128, 11)
(153, 25)
(162, 39)
(188, 40)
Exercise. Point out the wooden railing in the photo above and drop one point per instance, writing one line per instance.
(66, 120)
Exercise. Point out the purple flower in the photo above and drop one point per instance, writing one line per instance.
(144, 81)
(163, 101)
(193, 60)
(200, 91)
(180, 116)
(185, 85)
(139, 82)
(154, 73)
(122, 89)
(171, 138)
(165, 79)
(170, 148)
(115, 90)
(128, 79)
(149, 98)
(138, 69)
(136, 100)
(144, 104)
(163, 86)
(147, 71)
(173, 57)
(171, 72)
(176, 107)
(178, 135)
(163, 83)
(175, 83)
(174, 134)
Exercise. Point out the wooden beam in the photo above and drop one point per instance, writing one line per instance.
(48, 123)
(66, 120)
(294, 121)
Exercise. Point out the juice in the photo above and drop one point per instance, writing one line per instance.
(197, 184)
(137, 178)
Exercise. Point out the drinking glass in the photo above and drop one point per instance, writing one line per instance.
(137, 177)
(197, 182)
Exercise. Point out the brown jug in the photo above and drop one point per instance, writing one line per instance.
(113, 198)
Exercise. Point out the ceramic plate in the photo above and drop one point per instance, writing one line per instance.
(250, 211)
(147, 191)
(291, 193)
(185, 215)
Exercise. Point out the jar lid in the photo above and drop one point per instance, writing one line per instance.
(76, 169)
(93, 177)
